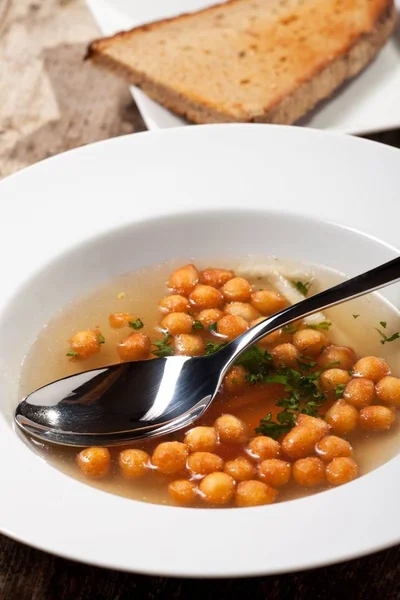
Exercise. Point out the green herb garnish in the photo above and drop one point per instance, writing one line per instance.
(101, 338)
(163, 347)
(324, 325)
(257, 363)
(339, 389)
(275, 429)
(72, 353)
(138, 324)
(355, 316)
(383, 324)
(301, 286)
(306, 363)
(290, 328)
(303, 396)
(385, 338)
(212, 327)
(197, 326)
(211, 348)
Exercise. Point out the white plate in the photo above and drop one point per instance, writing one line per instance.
(368, 104)
(71, 222)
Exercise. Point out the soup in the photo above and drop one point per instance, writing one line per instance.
(312, 406)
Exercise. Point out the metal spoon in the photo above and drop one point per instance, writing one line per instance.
(124, 402)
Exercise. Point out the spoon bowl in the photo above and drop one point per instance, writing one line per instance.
(142, 399)
(113, 405)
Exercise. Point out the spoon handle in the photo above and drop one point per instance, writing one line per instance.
(352, 288)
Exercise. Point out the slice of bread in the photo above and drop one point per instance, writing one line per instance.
(267, 61)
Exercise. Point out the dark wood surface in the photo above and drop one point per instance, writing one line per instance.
(27, 574)
(51, 101)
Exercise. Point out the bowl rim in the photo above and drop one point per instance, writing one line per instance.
(66, 544)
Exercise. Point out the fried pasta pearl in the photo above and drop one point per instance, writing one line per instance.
(94, 462)
(331, 378)
(217, 488)
(254, 493)
(371, 367)
(133, 464)
(231, 430)
(331, 447)
(136, 347)
(341, 470)
(183, 280)
(309, 472)
(309, 342)
(170, 457)
(377, 418)
(241, 309)
(177, 322)
(231, 327)
(342, 417)
(267, 302)
(175, 303)
(240, 469)
(359, 392)
(85, 344)
(319, 426)
(338, 356)
(300, 441)
(263, 447)
(119, 320)
(285, 356)
(183, 492)
(209, 316)
(275, 472)
(388, 391)
(188, 344)
(202, 439)
(203, 463)
(216, 277)
(237, 289)
(205, 296)
(235, 381)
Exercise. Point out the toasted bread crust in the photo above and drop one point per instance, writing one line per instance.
(285, 105)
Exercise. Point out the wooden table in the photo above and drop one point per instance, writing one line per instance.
(50, 102)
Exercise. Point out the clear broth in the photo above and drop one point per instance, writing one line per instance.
(139, 293)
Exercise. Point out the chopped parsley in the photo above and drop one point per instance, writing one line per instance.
(290, 328)
(197, 326)
(383, 324)
(333, 363)
(257, 363)
(385, 338)
(163, 347)
(302, 395)
(275, 429)
(72, 353)
(324, 325)
(101, 338)
(339, 389)
(212, 327)
(301, 286)
(306, 363)
(137, 324)
(355, 316)
(211, 348)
